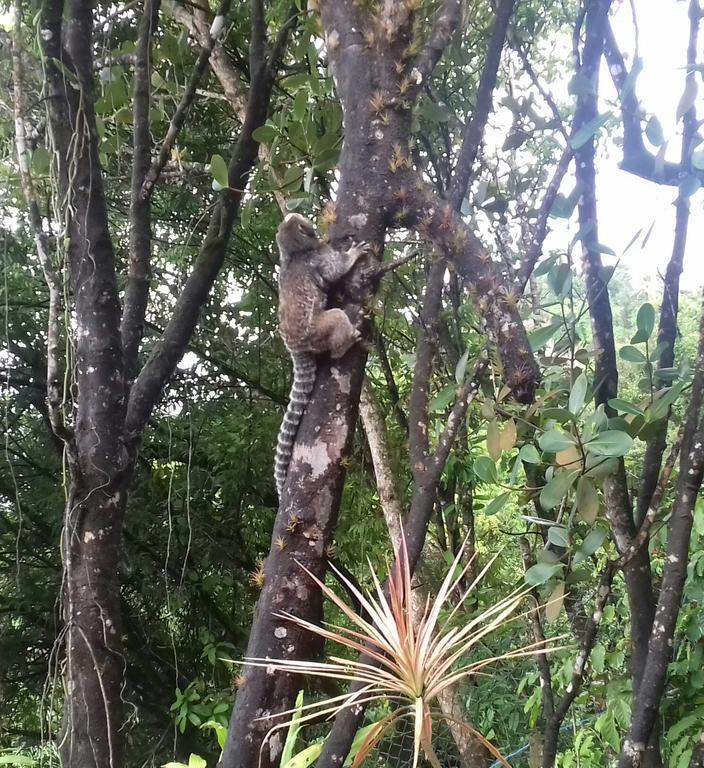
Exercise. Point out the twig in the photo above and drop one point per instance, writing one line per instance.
(474, 130)
(54, 375)
(446, 23)
(183, 109)
(396, 263)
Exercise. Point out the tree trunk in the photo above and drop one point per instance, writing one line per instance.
(94, 667)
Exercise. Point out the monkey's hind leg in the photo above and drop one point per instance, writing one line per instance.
(333, 332)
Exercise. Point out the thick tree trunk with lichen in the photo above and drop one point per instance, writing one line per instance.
(378, 189)
(110, 412)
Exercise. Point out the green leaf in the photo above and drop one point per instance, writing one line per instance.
(653, 131)
(300, 104)
(581, 85)
(698, 160)
(461, 367)
(529, 454)
(668, 374)
(326, 160)
(540, 336)
(597, 658)
(578, 393)
(689, 185)
(218, 728)
(555, 440)
(664, 399)
(218, 169)
(689, 96)
(601, 248)
(485, 469)
(443, 398)
(541, 572)
(587, 500)
(645, 320)
(606, 726)
(264, 134)
(624, 407)
(553, 493)
(13, 759)
(562, 207)
(515, 139)
(629, 84)
(685, 723)
(545, 265)
(359, 738)
(555, 601)
(560, 280)
(292, 179)
(621, 710)
(658, 174)
(40, 161)
(558, 535)
(293, 730)
(587, 131)
(497, 504)
(592, 541)
(632, 354)
(304, 758)
(611, 443)
(561, 415)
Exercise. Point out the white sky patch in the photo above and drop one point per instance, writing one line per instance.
(626, 202)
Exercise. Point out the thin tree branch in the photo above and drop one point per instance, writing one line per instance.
(646, 704)
(443, 228)
(637, 159)
(616, 493)
(643, 535)
(541, 659)
(580, 665)
(384, 469)
(474, 130)
(446, 22)
(182, 111)
(199, 29)
(170, 348)
(528, 67)
(138, 276)
(54, 372)
(426, 347)
(391, 385)
(540, 229)
(669, 308)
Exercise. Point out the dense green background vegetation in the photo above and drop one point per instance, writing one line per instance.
(203, 502)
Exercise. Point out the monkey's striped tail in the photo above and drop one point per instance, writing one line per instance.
(303, 381)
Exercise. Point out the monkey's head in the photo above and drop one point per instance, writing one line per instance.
(296, 237)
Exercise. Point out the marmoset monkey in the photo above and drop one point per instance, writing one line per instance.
(308, 268)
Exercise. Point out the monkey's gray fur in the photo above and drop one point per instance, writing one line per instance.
(308, 269)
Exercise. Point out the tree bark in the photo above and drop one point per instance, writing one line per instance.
(98, 457)
(103, 441)
(697, 760)
(646, 702)
(376, 178)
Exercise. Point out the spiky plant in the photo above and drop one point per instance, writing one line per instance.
(415, 657)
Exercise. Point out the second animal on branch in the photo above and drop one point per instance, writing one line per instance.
(308, 270)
